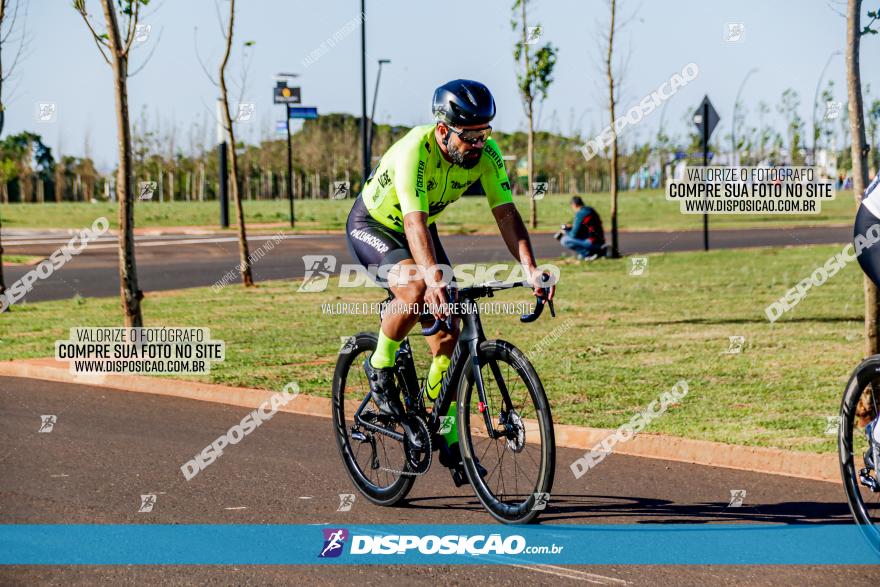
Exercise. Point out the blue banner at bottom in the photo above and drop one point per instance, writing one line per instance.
(655, 544)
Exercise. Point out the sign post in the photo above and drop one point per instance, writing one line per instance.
(706, 118)
(284, 94)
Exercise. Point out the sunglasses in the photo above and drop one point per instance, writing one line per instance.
(471, 136)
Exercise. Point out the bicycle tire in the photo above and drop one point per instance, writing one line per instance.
(387, 495)
(865, 374)
(468, 407)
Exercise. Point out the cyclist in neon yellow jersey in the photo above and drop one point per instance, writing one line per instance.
(392, 226)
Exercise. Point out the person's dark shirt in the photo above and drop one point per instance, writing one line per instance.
(587, 224)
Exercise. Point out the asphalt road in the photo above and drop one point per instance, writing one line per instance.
(180, 261)
(109, 447)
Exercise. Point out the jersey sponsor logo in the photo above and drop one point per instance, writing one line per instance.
(420, 177)
(431, 184)
(436, 208)
(428, 146)
(457, 185)
(366, 237)
(505, 185)
(384, 179)
(494, 156)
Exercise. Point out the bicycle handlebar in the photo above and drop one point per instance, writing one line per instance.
(472, 293)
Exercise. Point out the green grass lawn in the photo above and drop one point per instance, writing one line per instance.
(645, 210)
(632, 338)
(21, 259)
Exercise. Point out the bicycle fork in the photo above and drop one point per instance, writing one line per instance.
(470, 336)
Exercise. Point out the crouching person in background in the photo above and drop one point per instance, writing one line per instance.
(584, 235)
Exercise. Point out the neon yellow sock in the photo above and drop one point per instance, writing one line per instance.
(451, 437)
(438, 369)
(435, 376)
(386, 349)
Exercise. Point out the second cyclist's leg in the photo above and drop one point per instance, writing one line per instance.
(865, 231)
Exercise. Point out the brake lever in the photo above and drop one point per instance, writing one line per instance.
(452, 298)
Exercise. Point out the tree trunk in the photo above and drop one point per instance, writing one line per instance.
(530, 150)
(2, 280)
(614, 156)
(859, 154)
(243, 254)
(128, 284)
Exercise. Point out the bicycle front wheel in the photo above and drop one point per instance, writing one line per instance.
(520, 460)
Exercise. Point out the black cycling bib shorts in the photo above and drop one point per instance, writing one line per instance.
(374, 245)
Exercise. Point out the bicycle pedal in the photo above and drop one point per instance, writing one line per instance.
(459, 477)
(869, 480)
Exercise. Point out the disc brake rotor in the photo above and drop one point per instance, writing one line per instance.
(516, 432)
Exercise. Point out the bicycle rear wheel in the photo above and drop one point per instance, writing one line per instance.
(858, 469)
(520, 463)
(375, 462)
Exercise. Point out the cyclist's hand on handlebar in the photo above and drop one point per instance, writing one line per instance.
(538, 281)
(435, 299)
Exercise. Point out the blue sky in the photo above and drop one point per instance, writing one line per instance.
(428, 43)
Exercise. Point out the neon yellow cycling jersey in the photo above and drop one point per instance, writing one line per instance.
(413, 176)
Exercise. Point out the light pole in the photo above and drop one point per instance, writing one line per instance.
(733, 152)
(222, 167)
(373, 113)
(816, 99)
(365, 162)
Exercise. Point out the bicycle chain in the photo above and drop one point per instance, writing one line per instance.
(411, 473)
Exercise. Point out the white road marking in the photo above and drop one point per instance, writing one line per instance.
(571, 574)
(151, 242)
(242, 507)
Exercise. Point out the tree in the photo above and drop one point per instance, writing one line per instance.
(5, 40)
(115, 50)
(612, 102)
(533, 79)
(873, 122)
(859, 148)
(234, 182)
(244, 262)
(788, 108)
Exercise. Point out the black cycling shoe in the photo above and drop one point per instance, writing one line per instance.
(450, 456)
(387, 398)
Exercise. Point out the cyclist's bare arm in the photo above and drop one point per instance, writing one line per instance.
(415, 225)
(516, 237)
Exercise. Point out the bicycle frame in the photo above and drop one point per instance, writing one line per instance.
(467, 347)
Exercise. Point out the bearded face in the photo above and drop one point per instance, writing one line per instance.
(463, 155)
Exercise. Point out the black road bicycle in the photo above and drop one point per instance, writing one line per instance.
(502, 413)
(860, 459)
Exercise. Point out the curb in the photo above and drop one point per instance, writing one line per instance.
(770, 461)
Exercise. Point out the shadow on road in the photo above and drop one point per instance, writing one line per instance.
(609, 509)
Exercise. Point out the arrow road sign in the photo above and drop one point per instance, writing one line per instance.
(707, 111)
